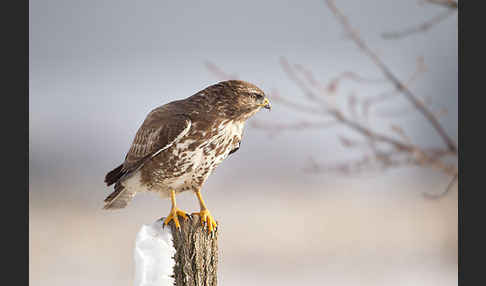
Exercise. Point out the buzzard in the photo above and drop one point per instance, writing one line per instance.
(180, 143)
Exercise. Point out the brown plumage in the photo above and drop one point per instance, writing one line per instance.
(181, 142)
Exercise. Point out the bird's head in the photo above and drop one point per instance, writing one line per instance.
(238, 98)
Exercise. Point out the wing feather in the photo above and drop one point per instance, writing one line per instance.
(158, 132)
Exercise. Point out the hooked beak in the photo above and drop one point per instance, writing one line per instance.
(266, 104)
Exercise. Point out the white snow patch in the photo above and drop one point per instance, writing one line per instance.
(154, 252)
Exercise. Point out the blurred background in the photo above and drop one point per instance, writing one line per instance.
(98, 67)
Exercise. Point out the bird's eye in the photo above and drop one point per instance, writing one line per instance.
(257, 95)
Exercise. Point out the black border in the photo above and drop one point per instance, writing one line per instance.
(471, 238)
(15, 141)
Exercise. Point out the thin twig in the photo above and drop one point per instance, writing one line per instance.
(449, 187)
(219, 72)
(451, 4)
(294, 126)
(304, 108)
(301, 84)
(423, 27)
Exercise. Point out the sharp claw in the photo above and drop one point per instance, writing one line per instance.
(182, 214)
(173, 216)
(207, 221)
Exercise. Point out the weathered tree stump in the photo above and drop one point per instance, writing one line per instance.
(196, 257)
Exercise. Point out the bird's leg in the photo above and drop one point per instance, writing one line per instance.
(204, 214)
(174, 212)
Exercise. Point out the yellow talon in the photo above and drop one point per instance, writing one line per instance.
(174, 212)
(204, 214)
(207, 218)
(173, 216)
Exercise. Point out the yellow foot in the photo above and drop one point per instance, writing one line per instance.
(173, 216)
(207, 218)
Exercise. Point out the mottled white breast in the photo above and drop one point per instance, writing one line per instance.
(194, 166)
(205, 158)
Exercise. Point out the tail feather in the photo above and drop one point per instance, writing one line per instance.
(119, 198)
(114, 175)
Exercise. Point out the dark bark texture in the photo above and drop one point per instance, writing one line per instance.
(196, 258)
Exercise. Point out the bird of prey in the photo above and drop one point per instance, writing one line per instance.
(180, 143)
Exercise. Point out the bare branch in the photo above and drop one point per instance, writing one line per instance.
(369, 133)
(367, 163)
(391, 77)
(380, 98)
(294, 126)
(219, 73)
(380, 161)
(449, 187)
(304, 108)
(352, 103)
(420, 68)
(339, 116)
(451, 4)
(423, 27)
(309, 76)
(333, 84)
(301, 84)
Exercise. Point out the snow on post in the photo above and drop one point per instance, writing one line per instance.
(167, 256)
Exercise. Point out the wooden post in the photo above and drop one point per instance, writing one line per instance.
(196, 257)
